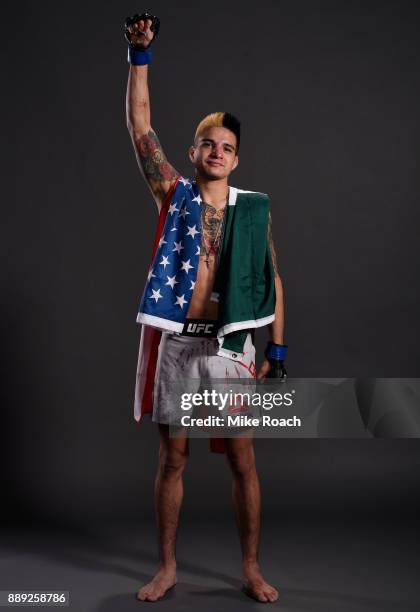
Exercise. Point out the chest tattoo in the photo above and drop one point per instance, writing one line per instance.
(211, 229)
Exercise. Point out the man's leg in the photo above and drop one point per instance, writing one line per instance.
(247, 504)
(173, 455)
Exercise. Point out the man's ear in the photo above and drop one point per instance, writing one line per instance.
(235, 163)
(191, 153)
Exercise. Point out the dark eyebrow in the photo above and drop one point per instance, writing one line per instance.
(212, 141)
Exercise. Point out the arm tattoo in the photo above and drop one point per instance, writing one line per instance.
(271, 243)
(153, 159)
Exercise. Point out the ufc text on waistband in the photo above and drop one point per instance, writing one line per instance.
(200, 328)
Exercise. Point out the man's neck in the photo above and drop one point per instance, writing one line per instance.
(214, 193)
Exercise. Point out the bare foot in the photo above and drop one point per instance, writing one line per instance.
(161, 583)
(256, 587)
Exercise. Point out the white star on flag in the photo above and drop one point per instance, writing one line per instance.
(183, 212)
(192, 231)
(184, 181)
(172, 208)
(186, 266)
(164, 262)
(198, 249)
(192, 285)
(178, 246)
(162, 241)
(197, 199)
(150, 275)
(171, 281)
(180, 300)
(156, 295)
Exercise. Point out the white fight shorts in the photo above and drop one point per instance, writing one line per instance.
(185, 361)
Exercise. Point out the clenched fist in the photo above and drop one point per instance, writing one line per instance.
(140, 30)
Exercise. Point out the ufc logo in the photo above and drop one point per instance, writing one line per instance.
(196, 328)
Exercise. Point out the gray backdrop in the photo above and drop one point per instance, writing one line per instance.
(328, 95)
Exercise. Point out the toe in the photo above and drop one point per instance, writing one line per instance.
(262, 596)
(143, 594)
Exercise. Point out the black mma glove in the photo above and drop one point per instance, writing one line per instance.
(276, 354)
(140, 38)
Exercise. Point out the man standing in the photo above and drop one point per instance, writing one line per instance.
(214, 262)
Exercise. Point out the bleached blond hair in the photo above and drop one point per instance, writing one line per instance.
(220, 119)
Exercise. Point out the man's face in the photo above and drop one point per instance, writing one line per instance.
(214, 153)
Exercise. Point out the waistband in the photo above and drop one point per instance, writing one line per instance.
(200, 328)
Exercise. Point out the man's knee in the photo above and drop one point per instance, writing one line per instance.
(242, 462)
(172, 462)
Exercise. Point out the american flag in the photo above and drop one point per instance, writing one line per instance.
(173, 272)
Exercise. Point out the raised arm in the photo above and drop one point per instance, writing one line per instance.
(157, 171)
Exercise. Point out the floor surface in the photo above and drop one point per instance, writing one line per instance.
(344, 567)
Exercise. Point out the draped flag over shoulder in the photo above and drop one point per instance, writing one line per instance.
(173, 272)
(150, 337)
